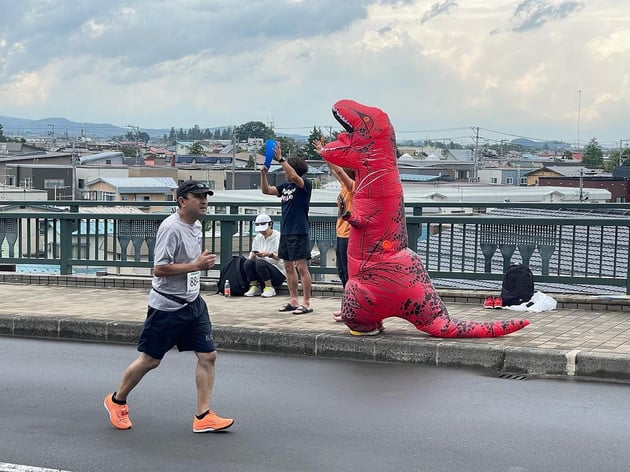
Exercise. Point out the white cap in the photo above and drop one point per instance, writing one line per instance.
(262, 222)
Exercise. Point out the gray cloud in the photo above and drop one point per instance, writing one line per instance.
(438, 9)
(532, 14)
(139, 34)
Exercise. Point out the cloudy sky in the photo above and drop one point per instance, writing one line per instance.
(544, 69)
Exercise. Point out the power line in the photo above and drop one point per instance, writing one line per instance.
(441, 130)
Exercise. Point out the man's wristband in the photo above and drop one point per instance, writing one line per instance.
(281, 160)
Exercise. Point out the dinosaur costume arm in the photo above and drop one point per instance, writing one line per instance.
(340, 152)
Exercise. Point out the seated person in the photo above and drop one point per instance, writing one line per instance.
(264, 268)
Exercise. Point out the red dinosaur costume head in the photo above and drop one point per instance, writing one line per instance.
(386, 278)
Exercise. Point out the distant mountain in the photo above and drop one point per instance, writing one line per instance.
(62, 127)
(528, 143)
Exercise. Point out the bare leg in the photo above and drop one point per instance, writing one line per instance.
(204, 378)
(134, 374)
(292, 282)
(305, 277)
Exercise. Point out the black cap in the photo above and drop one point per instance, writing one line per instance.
(193, 186)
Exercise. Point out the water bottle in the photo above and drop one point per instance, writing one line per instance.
(226, 289)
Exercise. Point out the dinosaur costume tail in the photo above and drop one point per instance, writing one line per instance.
(445, 327)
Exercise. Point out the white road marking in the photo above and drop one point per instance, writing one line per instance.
(6, 467)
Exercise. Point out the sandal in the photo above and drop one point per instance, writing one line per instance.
(302, 310)
(288, 307)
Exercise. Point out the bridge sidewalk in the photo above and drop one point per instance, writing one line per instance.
(587, 337)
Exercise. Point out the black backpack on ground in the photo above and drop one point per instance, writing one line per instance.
(233, 271)
(518, 285)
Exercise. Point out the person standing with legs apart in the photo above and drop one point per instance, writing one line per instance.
(295, 248)
(264, 268)
(177, 315)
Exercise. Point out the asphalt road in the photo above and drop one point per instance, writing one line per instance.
(301, 414)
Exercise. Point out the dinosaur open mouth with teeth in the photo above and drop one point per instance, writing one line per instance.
(342, 121)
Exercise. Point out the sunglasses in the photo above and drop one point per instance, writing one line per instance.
(196, 189)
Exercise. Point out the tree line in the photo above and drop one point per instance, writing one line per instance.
(252, 129)
(6, 139)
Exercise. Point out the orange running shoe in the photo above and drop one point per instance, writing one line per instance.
(211, 422)
(118, 414)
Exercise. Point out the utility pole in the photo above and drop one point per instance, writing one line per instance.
(621, 149)
(74, 171)
(233, 155)
(52, 135)
(137, 130)
(475, 153)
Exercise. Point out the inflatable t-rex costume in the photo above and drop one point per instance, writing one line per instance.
(386, 278)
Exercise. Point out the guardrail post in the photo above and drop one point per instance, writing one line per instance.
(414, 230)
(66, 227)
(526, 251)
(323, 234)
(546, 251)
(228, 228)
(9, 230)
(507, 251)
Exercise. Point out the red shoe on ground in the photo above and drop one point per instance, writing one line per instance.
(489, 302)
(498, 303)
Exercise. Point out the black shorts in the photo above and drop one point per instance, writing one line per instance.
(294, 247)
(188, 328)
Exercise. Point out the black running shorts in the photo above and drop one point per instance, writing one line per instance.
(188, 328)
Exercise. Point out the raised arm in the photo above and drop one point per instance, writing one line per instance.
(341, 175)
(289, 171)
(264, 184)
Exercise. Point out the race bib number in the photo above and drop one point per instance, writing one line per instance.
(193, 281)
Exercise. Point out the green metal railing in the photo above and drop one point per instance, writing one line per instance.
(562, 243)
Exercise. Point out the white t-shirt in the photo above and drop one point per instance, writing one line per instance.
(269, 244)
(176, 242)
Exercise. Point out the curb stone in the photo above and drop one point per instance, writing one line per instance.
(488, 357)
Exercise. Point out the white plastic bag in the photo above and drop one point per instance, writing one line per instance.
(539, 302)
